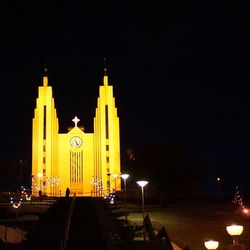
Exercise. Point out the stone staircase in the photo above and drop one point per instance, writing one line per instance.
(50, 230)
(85, 230)
(69, 224)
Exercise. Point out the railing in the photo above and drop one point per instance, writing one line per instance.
(67, 225)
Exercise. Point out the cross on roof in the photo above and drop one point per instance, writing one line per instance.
(75, 120)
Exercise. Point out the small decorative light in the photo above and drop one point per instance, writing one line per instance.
(245, 210)
(39, 175)
(16, 205)
(28, 198)
(211, 244)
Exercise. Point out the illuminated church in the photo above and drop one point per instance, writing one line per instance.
(86, 163)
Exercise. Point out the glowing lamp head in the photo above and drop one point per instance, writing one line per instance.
(235, 230)
(115, 175)
(142, 183)
(124, 176)
(211, 244)
(39, 175)
(245, 210)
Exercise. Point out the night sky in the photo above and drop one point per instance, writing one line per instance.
(180, 73)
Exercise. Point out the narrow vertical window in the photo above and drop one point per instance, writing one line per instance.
(107, 121)
(44, 122)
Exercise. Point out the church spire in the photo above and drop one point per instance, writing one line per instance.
(45, 77)
(105, 78)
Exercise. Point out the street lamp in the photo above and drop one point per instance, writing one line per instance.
(235, 231)
(108, 174)
(125, 177)
(115, 176)
(218, 182)
(40, 175)
(211, 244)
(142, 184)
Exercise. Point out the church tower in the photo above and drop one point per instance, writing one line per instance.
(87, 163)
(44, 139)
(107, 139)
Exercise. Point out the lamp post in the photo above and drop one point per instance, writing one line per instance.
(108, 174)
(235, 231)
(125, 177)
(211, 244)
(20, 179)
(218, 182)
(142, 184)
(40, 175)
(115, 176)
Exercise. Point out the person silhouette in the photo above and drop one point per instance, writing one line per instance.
(67, 192)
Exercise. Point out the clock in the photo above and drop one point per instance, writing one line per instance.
(75, 142)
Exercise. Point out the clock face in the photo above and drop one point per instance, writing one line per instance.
(75, 142)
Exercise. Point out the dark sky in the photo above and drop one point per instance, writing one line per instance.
(180, 72)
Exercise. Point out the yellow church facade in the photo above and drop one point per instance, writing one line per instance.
(86, 163)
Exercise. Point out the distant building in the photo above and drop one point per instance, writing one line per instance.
(85, 162)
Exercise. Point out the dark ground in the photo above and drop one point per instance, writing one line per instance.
(189, 223)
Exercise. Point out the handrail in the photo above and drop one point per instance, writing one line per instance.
(67, 224)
